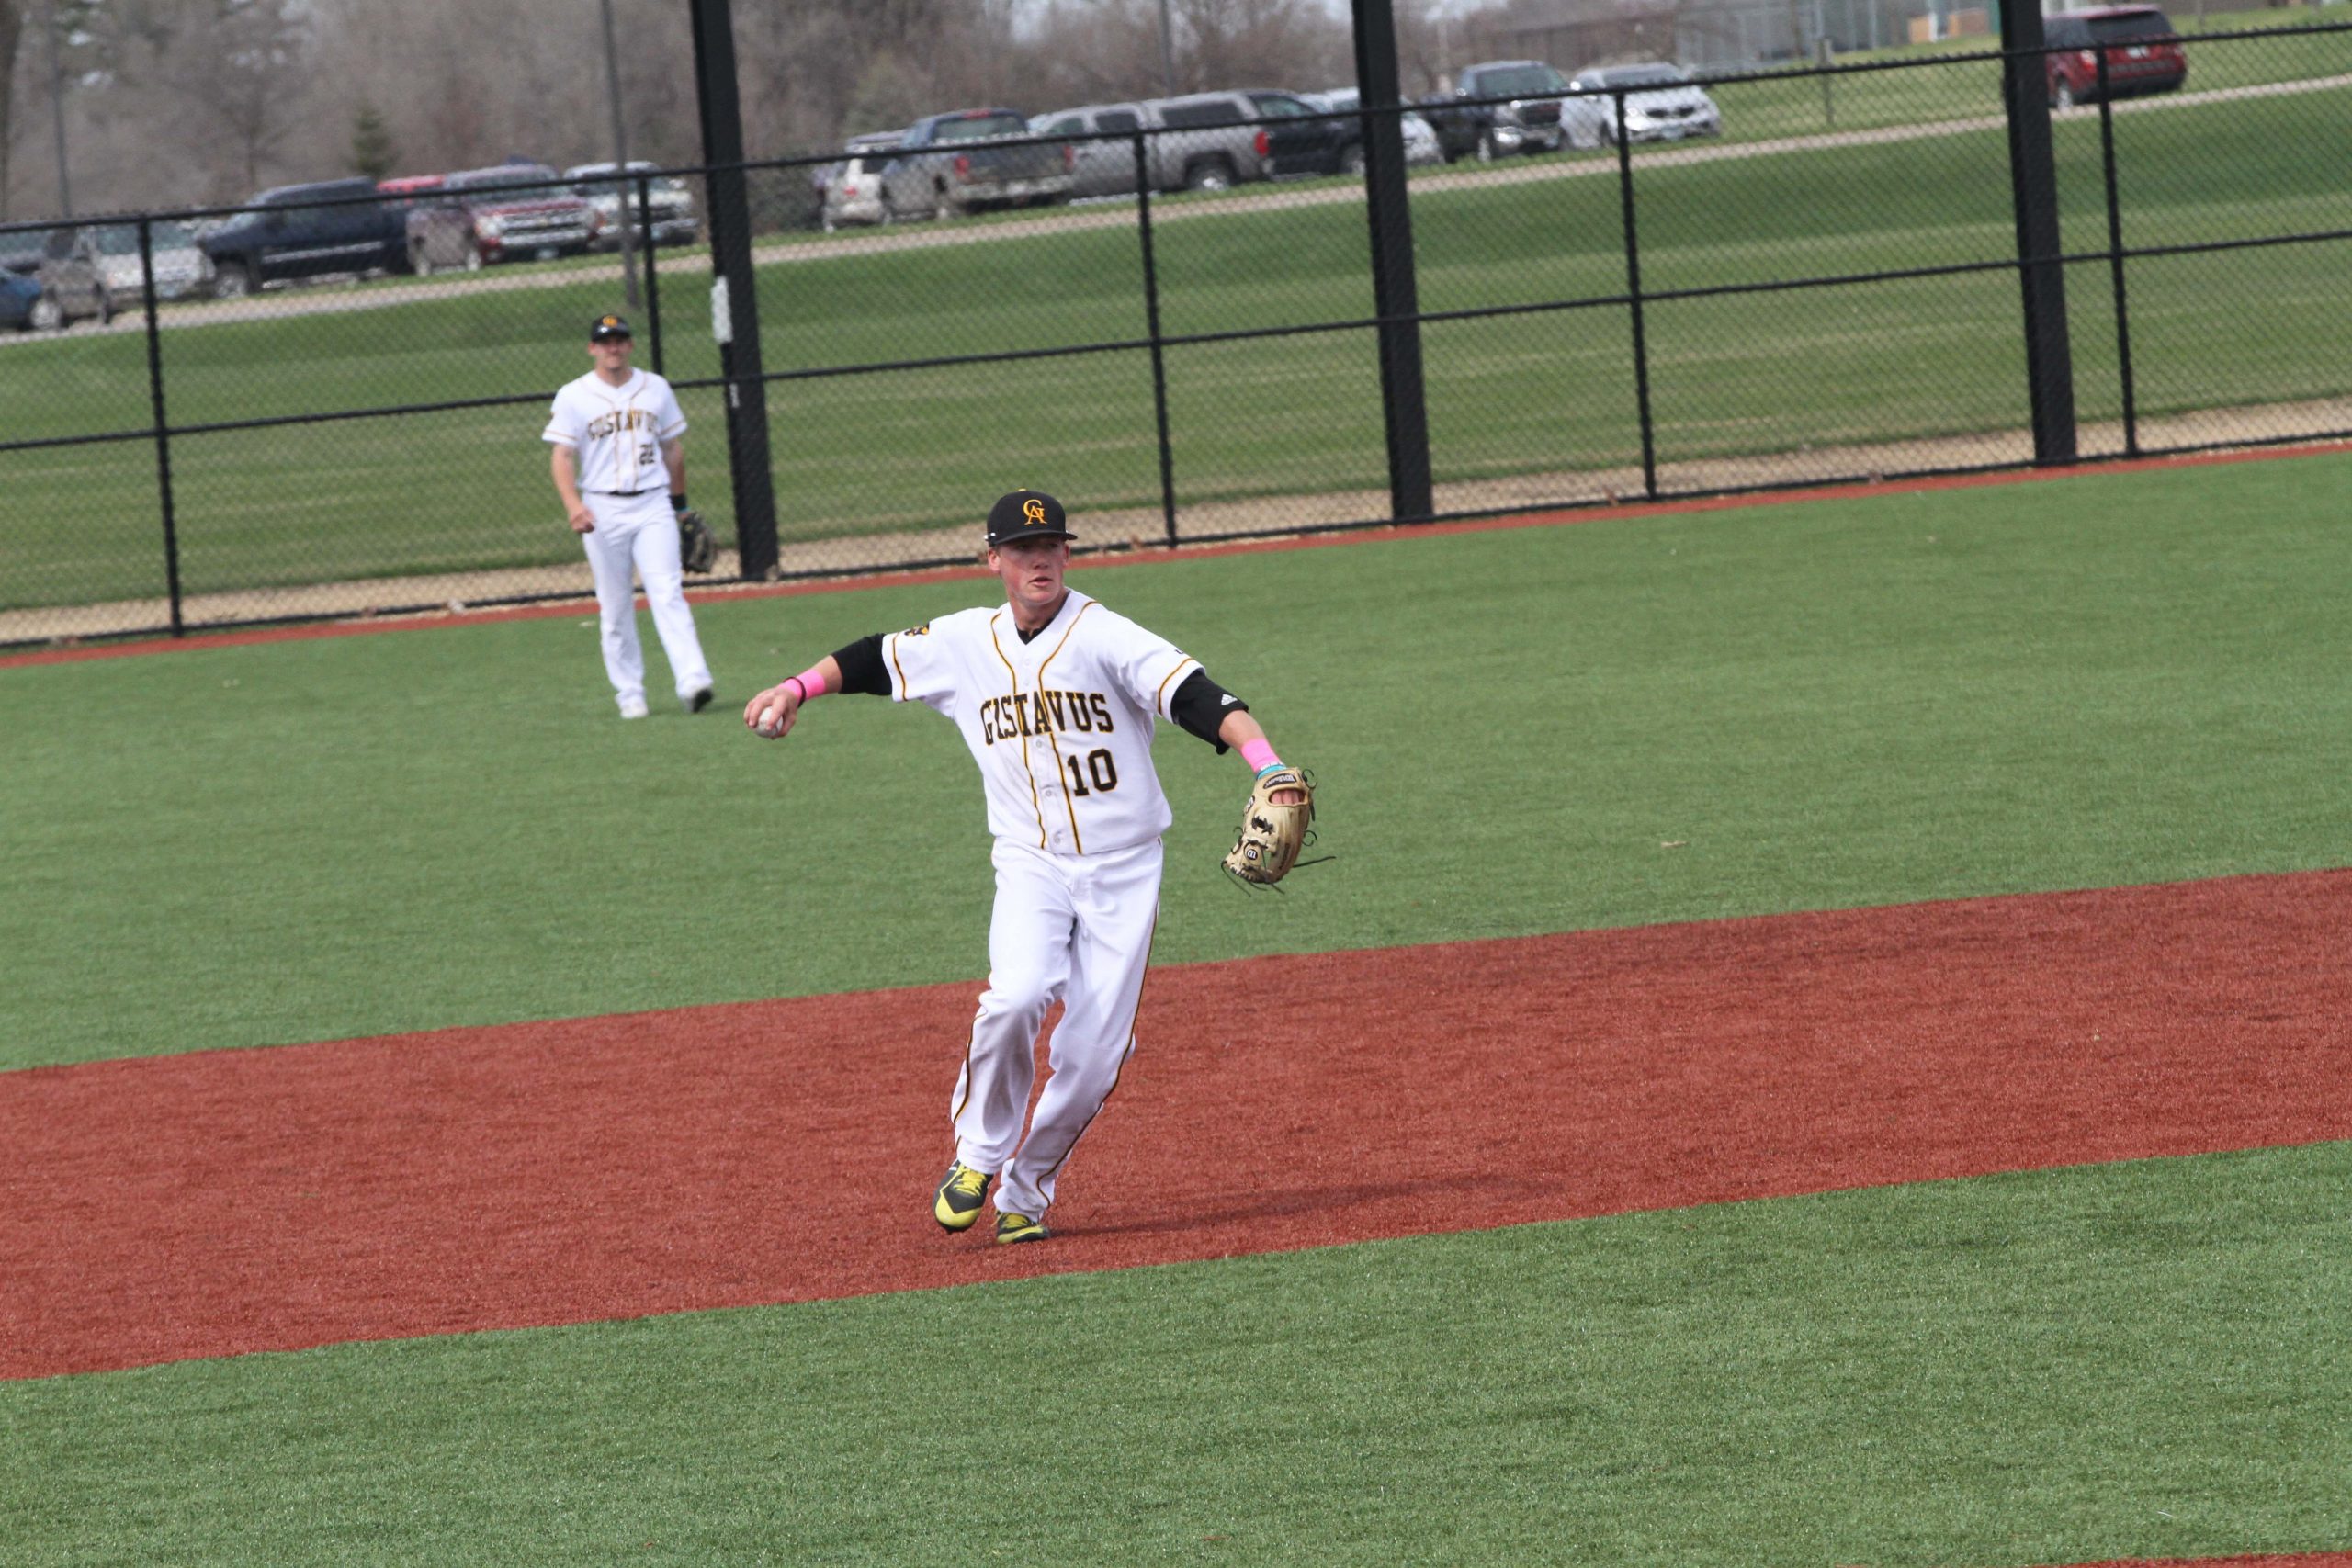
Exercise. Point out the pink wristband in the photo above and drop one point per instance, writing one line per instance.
(812, 681)
(1259, 754)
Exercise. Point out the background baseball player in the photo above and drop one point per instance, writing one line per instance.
(620, 466)
(1058, 697)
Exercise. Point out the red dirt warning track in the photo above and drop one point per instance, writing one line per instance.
(2301, 1559)
(221, 1202)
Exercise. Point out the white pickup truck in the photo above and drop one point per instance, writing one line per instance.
(671, 203)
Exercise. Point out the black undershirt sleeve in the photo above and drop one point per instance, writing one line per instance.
(862, 669)
(1200, 705)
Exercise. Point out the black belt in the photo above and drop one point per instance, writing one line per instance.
(620, 493)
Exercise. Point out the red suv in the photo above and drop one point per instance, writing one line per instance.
(2144, 54)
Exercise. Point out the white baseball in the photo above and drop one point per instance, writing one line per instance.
(771, 720)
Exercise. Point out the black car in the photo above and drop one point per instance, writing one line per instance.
(1470, 121)
(1304, 139)
(290, 235)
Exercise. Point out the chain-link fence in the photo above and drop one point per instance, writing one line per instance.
(331, 404)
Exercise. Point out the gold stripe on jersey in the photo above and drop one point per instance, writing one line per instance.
(893, 644)
(1069, 802)
(964, 1077)
(1160, 696)
(1025, 766)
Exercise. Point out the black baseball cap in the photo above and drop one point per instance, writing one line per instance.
(1027, 515)
(609, 328)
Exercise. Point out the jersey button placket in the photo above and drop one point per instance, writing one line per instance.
(1049, 795)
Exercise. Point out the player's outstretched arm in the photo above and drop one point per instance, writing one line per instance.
(1206, 709)
(771, 713)
(1245, 735)
(855, 668)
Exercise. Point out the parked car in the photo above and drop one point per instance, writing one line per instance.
(433, 239)
(506, 212)
(20, 251)
(1303, 138)
(1420, 136)
(948, 164)
(1103, 163)
(1526, 119)
(182, 270)
(1215, 147)
(287, 235)
(670, 203)
(850, 191)
(1203, 141)
(72, 285)
(18, 295)
(1667, 107)
(409, 192)
(2143, 53)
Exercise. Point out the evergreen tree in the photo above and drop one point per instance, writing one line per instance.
(372, 153)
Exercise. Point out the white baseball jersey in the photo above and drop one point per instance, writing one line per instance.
(1060, 725)
(617, 431)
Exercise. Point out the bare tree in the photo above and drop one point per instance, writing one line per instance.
(196, 101)
(1248, 43)
(235, 65)
(11, 29)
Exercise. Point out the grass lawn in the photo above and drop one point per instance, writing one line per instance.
(874, 453)
(2110, 679)
(2128, 1360)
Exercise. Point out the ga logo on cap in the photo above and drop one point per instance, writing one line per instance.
(610, 322)
(1033, 510)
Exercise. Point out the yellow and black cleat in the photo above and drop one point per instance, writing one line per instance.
(961, 1194)
(1011, 1227)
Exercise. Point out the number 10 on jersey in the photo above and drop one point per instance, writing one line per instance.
(1095, 766)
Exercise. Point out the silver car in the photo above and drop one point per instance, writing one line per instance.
(1668, 106)
(1102, 163)
(851, 190)
(182, 270)
(666, 200)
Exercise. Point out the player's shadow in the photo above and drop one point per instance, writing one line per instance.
(1265, 1205)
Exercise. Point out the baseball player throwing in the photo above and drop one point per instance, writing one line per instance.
(1058, 697)
(620, 468)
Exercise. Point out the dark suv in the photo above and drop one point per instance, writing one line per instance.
(2144, 54)
(289, 236)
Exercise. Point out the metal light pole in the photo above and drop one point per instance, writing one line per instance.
(1167, 53)
(620, 163)
(57, 110)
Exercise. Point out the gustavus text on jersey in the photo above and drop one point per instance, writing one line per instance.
(620, 419)
(1024, 714)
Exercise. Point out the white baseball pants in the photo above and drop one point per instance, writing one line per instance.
(641, 532)
(1077, 928)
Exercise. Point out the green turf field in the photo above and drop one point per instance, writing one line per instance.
(2110, 678)
(865, 454)
(2136, 1359)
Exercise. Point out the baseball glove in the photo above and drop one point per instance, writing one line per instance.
(697, 549)
(1273, 833)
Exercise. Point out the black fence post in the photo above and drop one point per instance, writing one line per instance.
(1158, 349)
(2033, 188)
(1634, 294)
(650, 246)
(2115, 261)
(162, 424)
(1396, 297)
(735, 313)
